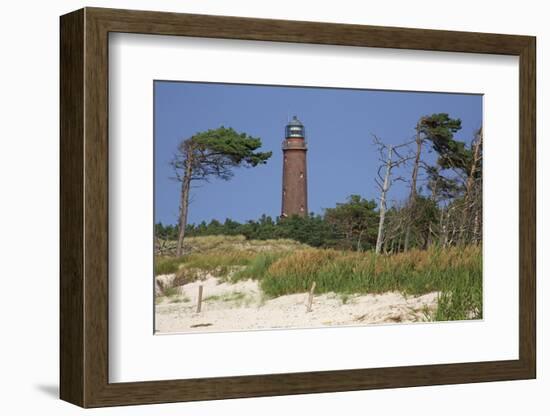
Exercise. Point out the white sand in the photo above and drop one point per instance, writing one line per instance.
(241, 306)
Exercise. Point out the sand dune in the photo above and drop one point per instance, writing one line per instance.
(241, 306)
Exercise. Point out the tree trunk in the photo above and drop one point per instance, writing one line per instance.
(477, 227)
(433, 235)
(478, 207)
(184, 204)
(412, 199)
(443, 219)
(399, 243)
(359, 240)
(385, 188)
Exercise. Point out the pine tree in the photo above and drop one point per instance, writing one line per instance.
(213, 153)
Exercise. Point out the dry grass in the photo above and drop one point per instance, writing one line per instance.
(211, 243)
(285, 267)
(454, 272)
(219, 256)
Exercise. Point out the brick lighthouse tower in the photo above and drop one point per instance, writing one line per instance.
(294, 170)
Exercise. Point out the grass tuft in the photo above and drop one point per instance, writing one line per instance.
(257, 266)
(456, 273)
(167, 265)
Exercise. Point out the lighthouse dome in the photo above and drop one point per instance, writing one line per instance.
(295, 128)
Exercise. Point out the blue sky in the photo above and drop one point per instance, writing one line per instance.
(339, 125)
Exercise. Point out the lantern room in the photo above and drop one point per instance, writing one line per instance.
(295, 129)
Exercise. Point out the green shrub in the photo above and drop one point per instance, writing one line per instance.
(170, 291)
(167, 265)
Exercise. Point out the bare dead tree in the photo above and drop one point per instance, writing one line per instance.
(384, 182)
(384, 188)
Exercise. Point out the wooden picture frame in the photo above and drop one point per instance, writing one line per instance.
(84, 207)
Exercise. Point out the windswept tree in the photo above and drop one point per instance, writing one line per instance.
(457, 178)
(439, 130)
(212, 154)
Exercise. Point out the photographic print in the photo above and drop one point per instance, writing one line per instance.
(307, 207)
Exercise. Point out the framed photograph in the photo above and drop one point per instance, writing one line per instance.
(255, 207)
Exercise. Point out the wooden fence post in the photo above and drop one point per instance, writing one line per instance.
(310, 297)
(199, 301)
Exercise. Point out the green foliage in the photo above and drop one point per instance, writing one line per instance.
(425, 214)
(442, 187)
(168, 232)
(439, 130)
(312, 230)
(356, 221)
(235, 148)
(216, 152)
(350, 225)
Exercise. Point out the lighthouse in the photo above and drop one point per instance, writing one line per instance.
(294, 170)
